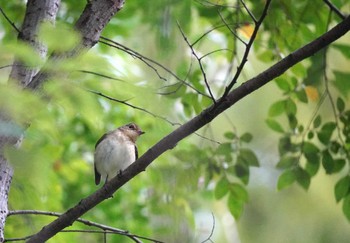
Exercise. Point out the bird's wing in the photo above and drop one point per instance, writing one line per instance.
(97, 176)
(101, 138)
(136, 153)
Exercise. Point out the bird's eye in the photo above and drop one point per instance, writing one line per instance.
(132, 126)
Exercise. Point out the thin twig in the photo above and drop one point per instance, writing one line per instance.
(124, 102)
(214, 4)
(211, 232)
(247, 50)
(150, 113)
(199, 63)
(248, 11)
(8, 20)
(335, 9)
(147, 61)
(232, 31)
(101, 75)
(104, 228)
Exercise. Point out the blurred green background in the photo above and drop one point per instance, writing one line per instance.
(177, 198)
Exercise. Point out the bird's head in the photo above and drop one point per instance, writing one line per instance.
(132, 131)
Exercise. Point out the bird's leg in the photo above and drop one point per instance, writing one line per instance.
(120, 173)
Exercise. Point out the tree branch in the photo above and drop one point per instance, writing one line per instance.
(334, 9)
(103, 227)
(189, 128)
(90, 24)
(37, 12)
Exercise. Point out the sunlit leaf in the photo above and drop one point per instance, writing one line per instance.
(312, 93)
(246, 30)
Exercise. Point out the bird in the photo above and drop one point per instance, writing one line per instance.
(115, 151)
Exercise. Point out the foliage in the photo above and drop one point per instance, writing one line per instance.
(308, 110)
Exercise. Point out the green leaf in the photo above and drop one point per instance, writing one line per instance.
(327, 162)
(221, 188)
(340, 105)
(346, 206)
(235, 206)
(229, 135)
(242, 172)
(246, 137)
(310, 135)
(52, 36)
(286, 179)
(341, 82)
(301, 95)
(224, 149)
(317, 121)
(285, 145)
(303, 178)
(248, 157)
(292, 121)
(283, 84)
(239, 192)
(312, 163)
(274, 125)
(309, 148)
(287, 162)
(326, 132)
(290, 107)
(277, 108)
(338, 165)
(341, 189)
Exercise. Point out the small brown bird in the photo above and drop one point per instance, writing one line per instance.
(115, 151)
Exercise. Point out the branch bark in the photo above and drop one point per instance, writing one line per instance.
(188, 128)
(37, 12)
(90, 24)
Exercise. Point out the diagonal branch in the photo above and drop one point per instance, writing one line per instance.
(335, 9)
(9, 20)
(170, 141)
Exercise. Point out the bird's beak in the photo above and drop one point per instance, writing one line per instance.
(141, 132)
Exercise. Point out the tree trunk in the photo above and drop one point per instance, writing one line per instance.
(37, 12)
